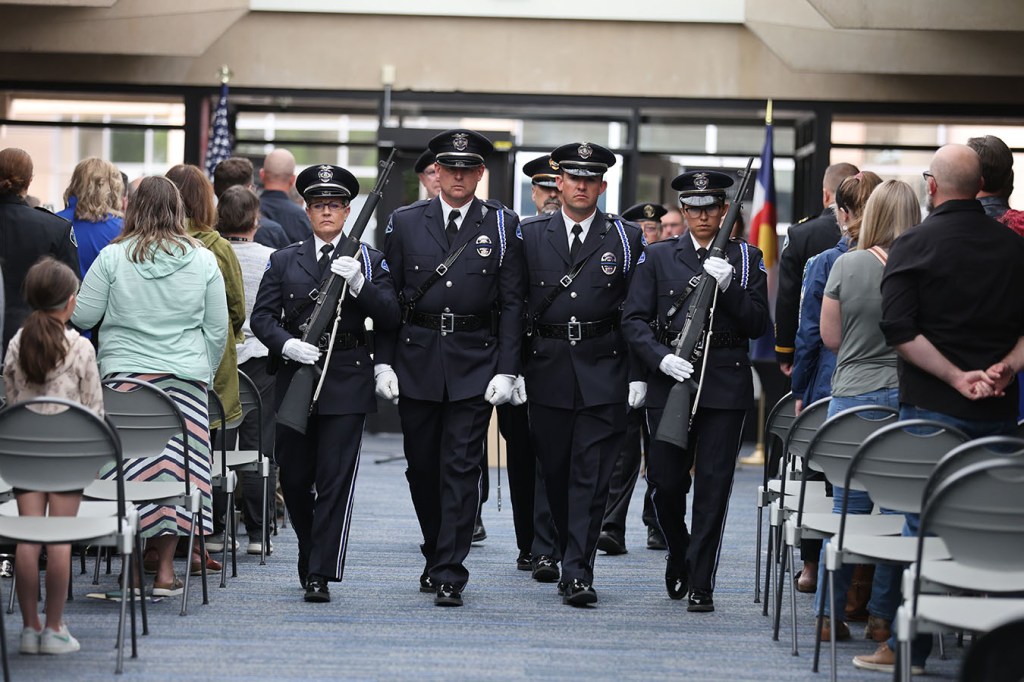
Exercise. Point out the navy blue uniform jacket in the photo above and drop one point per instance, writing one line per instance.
(599, 365)
(742, 310)
(486, 278)
(292, 273)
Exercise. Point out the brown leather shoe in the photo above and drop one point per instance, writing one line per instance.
(212, 565)
(808, 580)
(842, 630)
(878, 629)
(883, 660)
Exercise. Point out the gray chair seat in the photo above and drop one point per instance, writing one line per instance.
(86, 508)
(824, 525)
(147, 492)
(936, 613)
(73, 529)
(859, 549)
(953, 575)
(239, 460)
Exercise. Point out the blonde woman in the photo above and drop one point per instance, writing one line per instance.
(95, 207)
(865, 371)
(161, 297)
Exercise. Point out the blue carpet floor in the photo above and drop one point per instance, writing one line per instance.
(380, 627)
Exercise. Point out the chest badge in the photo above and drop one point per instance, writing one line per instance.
(484, 246)
(609, 263)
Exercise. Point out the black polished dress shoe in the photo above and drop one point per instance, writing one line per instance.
(578, 593)
(676, 581)
(316, 589)
(479, 532)
(524, 562)
(655, 539)
(545, 569)
(701, 601)
(448, 595)
(427, 584)
(611, 544)
(562, 587)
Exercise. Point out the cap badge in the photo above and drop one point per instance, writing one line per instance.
(483, 246)
(609, 263)
(553, 164)
(325, 173)
(585, 151)
(460, 141)
(648, 211)
(700, 181)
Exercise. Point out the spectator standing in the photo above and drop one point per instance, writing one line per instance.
(45, 358)
(26, 234)
(238, 170)
(94, 201)
(278, 178)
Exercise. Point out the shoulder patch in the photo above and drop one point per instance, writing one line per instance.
(73, 240)
(519, 232)
(268, 266)
(390, 227)
(761, 266)
(384, 265)
(643, 257)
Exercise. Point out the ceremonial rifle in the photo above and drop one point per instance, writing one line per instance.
(694, 338)
(304, 389)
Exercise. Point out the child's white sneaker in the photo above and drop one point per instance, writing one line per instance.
(58, 641)
(29, 641)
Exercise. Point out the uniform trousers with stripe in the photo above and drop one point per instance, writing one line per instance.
(578, 448)
(535, 531)
(318, 475)
(714, 441)
(444, 445)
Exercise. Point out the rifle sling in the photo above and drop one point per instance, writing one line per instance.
(564, 283)
(437, 274)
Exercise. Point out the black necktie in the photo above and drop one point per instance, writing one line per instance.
(577, 243)
(325, 258)
(701, 254)
(452, 229)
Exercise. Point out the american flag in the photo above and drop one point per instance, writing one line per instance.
(219, 146)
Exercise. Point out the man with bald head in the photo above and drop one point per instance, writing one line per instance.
(952, 309)
(278, 177)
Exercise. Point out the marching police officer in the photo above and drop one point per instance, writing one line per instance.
(580, 261)
(326, 456)
(457, 264)
(662, 283)
(627, 468)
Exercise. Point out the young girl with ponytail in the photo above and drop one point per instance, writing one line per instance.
(46, 358)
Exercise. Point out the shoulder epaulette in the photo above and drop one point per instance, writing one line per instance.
(804, 219)
(738, 240)
(535, 218)
(415, 204)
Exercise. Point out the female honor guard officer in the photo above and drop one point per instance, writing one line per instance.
(580, 261)
(662, 282)
(457, 265)
(327, 456)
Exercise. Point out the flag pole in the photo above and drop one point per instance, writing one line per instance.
(756, 458)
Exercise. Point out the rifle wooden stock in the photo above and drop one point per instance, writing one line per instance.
(674, 427)
(298, 399)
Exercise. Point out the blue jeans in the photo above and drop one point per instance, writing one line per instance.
(921, 646)
(883, 600)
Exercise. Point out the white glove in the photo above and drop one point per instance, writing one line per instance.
(518, 391)
(676, 367)
(350, 270)
(300, 351)
(720, 269)
(499, 391)
(637, 394)
(386, 382)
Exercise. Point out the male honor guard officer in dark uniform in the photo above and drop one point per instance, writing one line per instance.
(580, 261)
(426, 171)
(535, 530)
(662, 282)
(326, 457)
(457, 264)
(627, 467)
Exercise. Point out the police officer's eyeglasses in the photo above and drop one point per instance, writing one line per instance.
(324, 205)
(713, 211)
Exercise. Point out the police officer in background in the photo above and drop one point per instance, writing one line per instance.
(457, 265)
(662, 282)
(326, 457)
(426, 171)
(580, 261)
(627, 467)
(535, 530)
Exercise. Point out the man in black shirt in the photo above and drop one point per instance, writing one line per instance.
(951, 307)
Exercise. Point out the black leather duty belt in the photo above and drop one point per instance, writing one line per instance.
(343, 341)
(450, 322)
(724, 339)
(577, 331)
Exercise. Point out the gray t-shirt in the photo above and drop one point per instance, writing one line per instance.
(252, 258)
(865, 363)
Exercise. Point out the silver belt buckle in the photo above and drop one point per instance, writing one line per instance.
(447, 322)
(575, 331)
